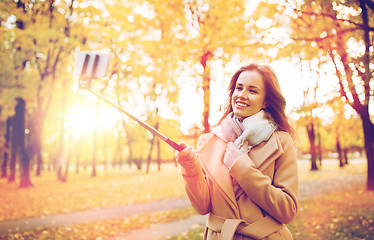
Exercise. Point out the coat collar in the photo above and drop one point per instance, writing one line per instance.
(266, 152)
(211, 154)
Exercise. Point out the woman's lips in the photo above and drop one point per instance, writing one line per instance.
(239, 104)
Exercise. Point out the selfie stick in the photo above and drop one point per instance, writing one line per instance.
(85, 83)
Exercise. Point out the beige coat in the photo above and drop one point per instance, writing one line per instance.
(268, 180)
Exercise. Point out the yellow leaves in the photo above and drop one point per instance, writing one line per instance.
(81, 192)
(342, 215)
(111, 228)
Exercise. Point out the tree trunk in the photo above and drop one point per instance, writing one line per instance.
(105, 152)
(369, 147)
(366, 122)
(65, 176)
(339, 151)
(4, 165)
(158, 154)
(345, 154)
(36, 139)
(60, 152)
(205, 62)
(312, 137)
(319, 149)
(25, 180)
(129, 141)
(158, 147)
(77, 153)
(94, 154)
(13, 155)
(19, 126)
(150, 154)
(138, 163)
(117, 159)
(68, 156)
(39, 164)
(34, 144)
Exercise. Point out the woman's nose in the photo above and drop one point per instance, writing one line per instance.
(242, 94)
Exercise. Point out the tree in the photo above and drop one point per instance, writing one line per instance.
(344, 36)
(147, 54)
(14, 61)
(4, 164)
(44, 29)
(163, 49)
(220, 30)
(19, 141)
(309, 120)
(311, 108)
(63, 154)
(346, 128)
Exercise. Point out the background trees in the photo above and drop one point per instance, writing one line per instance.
(341, 30)
(157, 49)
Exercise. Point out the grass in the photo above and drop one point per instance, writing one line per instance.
(330, 169)
(83, 192)
(121, 187)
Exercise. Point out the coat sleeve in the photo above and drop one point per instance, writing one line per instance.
(278, 197)
(196, 185)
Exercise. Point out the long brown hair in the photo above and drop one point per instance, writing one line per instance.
(276, 103)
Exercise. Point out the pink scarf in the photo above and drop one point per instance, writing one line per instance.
(254, 129)
(230, 128)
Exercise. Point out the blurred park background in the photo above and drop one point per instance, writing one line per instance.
(170, 65)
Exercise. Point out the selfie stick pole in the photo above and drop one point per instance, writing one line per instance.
(85, 83)
(141, 123)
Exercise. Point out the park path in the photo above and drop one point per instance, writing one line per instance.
(307, 190)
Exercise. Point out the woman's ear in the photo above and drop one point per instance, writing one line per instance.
(265, 105)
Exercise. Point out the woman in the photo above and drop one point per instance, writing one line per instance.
(244, 173)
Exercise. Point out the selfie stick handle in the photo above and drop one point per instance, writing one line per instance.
(141, 123)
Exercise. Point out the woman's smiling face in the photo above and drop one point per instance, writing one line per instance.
(248, 97)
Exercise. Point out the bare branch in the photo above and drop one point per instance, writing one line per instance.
(329, 16)
(318, 39)
(343, 93)
(370, 4)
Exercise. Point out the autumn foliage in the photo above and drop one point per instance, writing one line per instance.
(170, 64)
